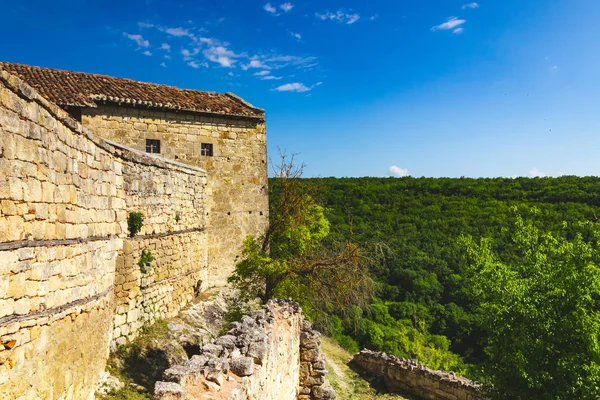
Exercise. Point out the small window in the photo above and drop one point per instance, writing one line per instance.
(206, 149)
(152, 146)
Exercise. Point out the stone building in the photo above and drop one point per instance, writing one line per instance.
(220, 133)
(74, 282)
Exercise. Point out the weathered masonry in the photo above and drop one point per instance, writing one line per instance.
(70, 282)
(220, 133)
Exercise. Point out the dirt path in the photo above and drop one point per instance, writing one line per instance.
(348, 384)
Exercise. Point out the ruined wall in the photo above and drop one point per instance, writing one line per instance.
(64, 198)
(410, 377)
(237, 172)
(272, 355)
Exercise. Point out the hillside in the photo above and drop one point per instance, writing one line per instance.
(415, 224)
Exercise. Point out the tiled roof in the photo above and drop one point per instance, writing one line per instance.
(79, 89)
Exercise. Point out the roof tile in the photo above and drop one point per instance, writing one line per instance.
(80, 89)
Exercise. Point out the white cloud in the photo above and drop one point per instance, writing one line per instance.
(193, 64)
(296, 35)
(397, 171)
(534, 172)
(177, 32)
(255, 63)
(470, 5)
(147, 53)
(221, 55)
(141, 42)
(165, 46)
(162, 64)
(281, 61)
(286, 7)
(292, 87)
(270, 78)
(145, 25)
(262, 73)
(339, 16)
(458, 31)
(451, 23)
(188, 55)
(269, 8)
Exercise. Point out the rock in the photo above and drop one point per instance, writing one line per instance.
(200, 360)
(319, 365)
(213, 349)
(219, 364)
(212, 386)
(108, 383)
(227, 341)
(242, 366)
(323, 392)
(169, 391)
(216, 376)
(258, 351)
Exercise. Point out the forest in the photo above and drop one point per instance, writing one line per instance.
(433, 304)
(495, 279)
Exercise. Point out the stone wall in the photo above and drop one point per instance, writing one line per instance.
(64, 199)
(271, 355)
(402, 375)
(237, 172)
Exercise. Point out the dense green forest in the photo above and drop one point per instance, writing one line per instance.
(496, 279)
(424, 304)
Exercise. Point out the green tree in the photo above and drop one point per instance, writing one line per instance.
(541, 313)
(294, 259)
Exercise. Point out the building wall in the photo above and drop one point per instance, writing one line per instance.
(237, 172)
(64, 199)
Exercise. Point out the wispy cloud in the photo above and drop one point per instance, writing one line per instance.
(458, 31)
(536, 173)
(296, 35)
(162, 64)
(292, 87)
(262, 73)
(286, 7)
(470, 5)
(269, 8)
(147, 53)
(270, 78)
(296, 87)
(255, 63)
(397, 171)
(221, 55)
(339, 16)
(188, 55)
(165, 46)
(452, 23)
(144, 25)
(178, 32)
(138, 39)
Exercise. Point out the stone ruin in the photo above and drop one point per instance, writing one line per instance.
(272, 354)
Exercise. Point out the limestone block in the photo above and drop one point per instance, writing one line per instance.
(242, 366)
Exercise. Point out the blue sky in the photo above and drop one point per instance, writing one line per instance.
(356, 87)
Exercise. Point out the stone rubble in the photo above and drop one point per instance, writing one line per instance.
(400, 374)
(259, 357)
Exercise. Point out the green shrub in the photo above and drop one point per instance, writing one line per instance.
(135, 221)
(145, 258)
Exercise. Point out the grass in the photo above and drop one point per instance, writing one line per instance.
(348, 384)
(139, 365)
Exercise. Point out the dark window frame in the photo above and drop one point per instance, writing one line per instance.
(153, 146)
(206, 149)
